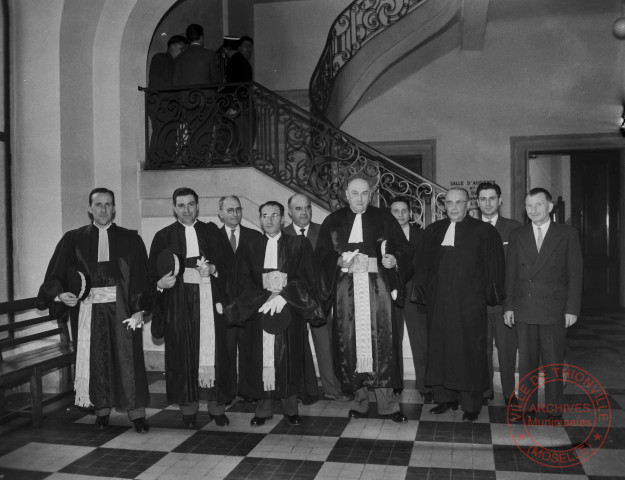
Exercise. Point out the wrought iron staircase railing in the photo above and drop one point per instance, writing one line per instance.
(358, 24)
(245, 124)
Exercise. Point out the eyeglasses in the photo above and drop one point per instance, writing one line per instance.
(232, 211)
(459, 203)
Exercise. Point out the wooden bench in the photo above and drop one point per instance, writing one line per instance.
(33, 363)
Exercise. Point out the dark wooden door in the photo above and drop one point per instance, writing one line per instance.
(595, 200)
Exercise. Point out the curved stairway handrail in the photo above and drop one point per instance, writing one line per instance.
(245, 124)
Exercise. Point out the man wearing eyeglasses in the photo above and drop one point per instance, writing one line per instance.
(464, 268)
(239, 237)
(275, 297)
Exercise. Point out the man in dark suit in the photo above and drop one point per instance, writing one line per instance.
(300, 212)
(239, 237)
(412, 313)
(489, 200)
(543, 293)
(196, 66)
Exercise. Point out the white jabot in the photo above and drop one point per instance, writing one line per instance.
(271, 251)
(406, 229)
(355, 235)
(190, 236)
(492, 221)
(450, 235)
(103, 243)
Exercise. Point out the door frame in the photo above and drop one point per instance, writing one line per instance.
(520, 147)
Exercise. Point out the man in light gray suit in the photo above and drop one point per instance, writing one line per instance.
(300, 212)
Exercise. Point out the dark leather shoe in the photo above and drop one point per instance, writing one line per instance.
(141, 426)
(397, 417)
(356, 414)
(529, 416)
(556, 420)
(189, 421)
(220, 420)
(339, 397)
(470, 416)
(512, 401)
(102, 422)
(427, 397)
(258, 421)
(486, 399)
(293, 419)
(443, 407)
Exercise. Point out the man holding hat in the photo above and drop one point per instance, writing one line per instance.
(275, 291)
(98, 274)
(360, 250)
(188, 277)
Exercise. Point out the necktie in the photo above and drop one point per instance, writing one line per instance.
(539, 238)
(301, 232)
(233, 241)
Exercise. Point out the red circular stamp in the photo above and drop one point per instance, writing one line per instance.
(531, 419)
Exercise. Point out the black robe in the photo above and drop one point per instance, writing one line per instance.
(117, 375)
(176, 315)
(337, 287)
(295, 370)
(458, 282)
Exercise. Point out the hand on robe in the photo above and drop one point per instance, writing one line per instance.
(508, 318)
(68, 298)
(135, 321)
(166, 281)
(569, 320)
(275, 303)
(389, 261)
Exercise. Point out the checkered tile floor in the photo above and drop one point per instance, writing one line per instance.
(328, 445)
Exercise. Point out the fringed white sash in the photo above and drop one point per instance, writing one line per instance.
(269, 367)
(206, 371)
(83, 353)
(362, 311)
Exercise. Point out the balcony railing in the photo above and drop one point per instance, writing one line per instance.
(358, 24)
(217, 126)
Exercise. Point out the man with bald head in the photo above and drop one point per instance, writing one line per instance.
(300, 211)
(463, 263)
(358, 249)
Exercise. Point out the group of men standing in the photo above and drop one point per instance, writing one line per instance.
(234, 306)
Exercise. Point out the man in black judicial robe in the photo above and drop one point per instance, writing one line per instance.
(360, 362)
(278, 358)
(464, 268)
(178, 311)
(110, 344)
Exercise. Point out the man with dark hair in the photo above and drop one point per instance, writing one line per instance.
(196, 65)
(106, 323)
(238, 236)
(464, 266)
(358, 249)
(275, 296)
(162, 64)
(543, 293)
(413, 313)
(300, 211)
(188, 311)
(489, 201)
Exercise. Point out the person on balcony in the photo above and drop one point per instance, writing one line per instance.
(412, 313)
(359, 249)
(300, 211)
(106, 311)
(188, 311)
(464, 268)
(164, 128)
(275, 297)
(196, 65)
(239, 237)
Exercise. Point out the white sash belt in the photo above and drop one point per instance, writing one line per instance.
(206, 371)
(83, 352)
(360, 269)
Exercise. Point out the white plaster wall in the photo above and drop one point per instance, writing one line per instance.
(289, 37)
(36, 145)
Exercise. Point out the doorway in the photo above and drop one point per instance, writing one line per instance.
(584, 175)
